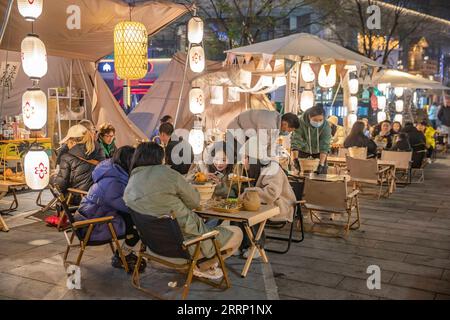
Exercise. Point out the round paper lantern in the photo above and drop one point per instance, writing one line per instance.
(34, 109)
(37, 169)
(307, 72)
(399, 118)
(353, 85)
(195, 30)
(381, 116)
(381, 102)
(351, 119)
(399, 105)
(130, 50)
(196, 101)
(34, 57)
(30, 9)
(398, 91)
(327, 80)
(306, 100)
(353, 103)
(197, 140)
(197, 59)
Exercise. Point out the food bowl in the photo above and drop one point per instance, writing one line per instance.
(206, 191)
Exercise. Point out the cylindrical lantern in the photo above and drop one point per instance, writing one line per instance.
(196, 101)
(306, 100)
(34, 57)
(307, 72)
(197, 140)
(197, 59)
(245, 78)
(399, 118)
(266, 81)
(382, 87)
(327, 80)
(399, 105)
(353, 103)
(280, 81)
(381, 102)
(351, 119)
(353, 85)
(381, 116)
(216, 95)
(130, 50)
(195, 30)
(34, 109)
(398, 91)
(30, 9)
(37, 169)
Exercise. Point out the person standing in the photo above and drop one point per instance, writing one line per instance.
(433, 114)
(444, 116)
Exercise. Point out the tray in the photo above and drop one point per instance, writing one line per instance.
(223, 210)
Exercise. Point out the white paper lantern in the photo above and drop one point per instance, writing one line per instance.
(37, 169)
(234, 95)
(353, 103)
(381, 116)
(197, 59)
(398, 92)
(34, 57)
(195, 30)
(30, 9)
(216, 95)
(245, 78)
(351, 119)
(266, 81)
(383, 87)
(327, 80)
(399, 105)
(353, 85)
(196, 101)
(398, 118)
(381, 102)
(306, 100)
(307, 72)
(280, 81)
(196, 140)
(34, 109)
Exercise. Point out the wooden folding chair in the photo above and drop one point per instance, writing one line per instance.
(165, 241)
(82, 230)
(403, 161)
(357, 152)
(3, 225)
(331, 197)
(67, 199)
(342, 152)
(368, 171)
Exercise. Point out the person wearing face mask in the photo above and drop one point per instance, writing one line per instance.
(312, 138)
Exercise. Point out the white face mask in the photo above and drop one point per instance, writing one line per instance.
(316, 124)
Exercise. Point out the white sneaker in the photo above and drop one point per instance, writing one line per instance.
(256, 255)
(212, 274)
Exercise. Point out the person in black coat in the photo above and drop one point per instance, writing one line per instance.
(357, 138)
(174, 148)
(401, 143)
(417, 141)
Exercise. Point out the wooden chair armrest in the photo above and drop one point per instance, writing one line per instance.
(73, 190)
(300, 202)
(203, 237)
(352, 194)
(84, 223)
(383, 169)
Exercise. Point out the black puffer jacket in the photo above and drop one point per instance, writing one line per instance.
(75, 172)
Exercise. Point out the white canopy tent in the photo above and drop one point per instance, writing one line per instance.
(397, 78)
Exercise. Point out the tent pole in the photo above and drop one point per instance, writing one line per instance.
(6, 19)
(70, 92)
(86, 89)
(182, 88)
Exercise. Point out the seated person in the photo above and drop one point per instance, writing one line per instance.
(105, 199)
(429, 133)
(382, 135)
(357, 138)
(219, 170)
(154, 137)
(157, 190)
(174, 148)
(418, 144)
(401, 143)
(396, 127)
(337, 132)
(107, 140)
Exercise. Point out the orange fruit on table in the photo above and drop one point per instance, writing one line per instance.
(9, 172)
(201, 177)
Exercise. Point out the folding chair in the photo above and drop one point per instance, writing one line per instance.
(420, 158)
(58, 196)
(331, 197)
(163, 237)
(357, 152)
(403, 161)
(342, 152)
(82, 230)
(367, 171)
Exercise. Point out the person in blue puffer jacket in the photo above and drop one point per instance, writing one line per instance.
(105, 199)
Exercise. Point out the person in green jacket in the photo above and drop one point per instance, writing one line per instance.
(107, 139)
(312, 138)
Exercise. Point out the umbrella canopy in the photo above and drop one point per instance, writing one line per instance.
(95, 38)
(306, 46)
(397, 78)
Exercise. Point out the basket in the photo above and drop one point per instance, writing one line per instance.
(206, 191)
(308, 165)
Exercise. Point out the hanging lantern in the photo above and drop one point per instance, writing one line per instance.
(234, 95)
(398, 92)
(327, 80)
(195, 30)
(34, 109)
(351, 119)
(37, 169)
(306, 100)
(34, 57)
(280, 81)
(196, 140)
(30, 9)
(245, 78)
(216, 95)
(353, 103)
(381, 102)
(398, 118)
(196, 101)
(130, 50)
(307, 72)
(353, 85)
(381, 116)
(266, 81)
(399, 105)
(383, 87)
(197, 59)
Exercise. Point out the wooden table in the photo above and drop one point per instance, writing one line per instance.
(249, 219)
(321, 177)
(5, 188)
